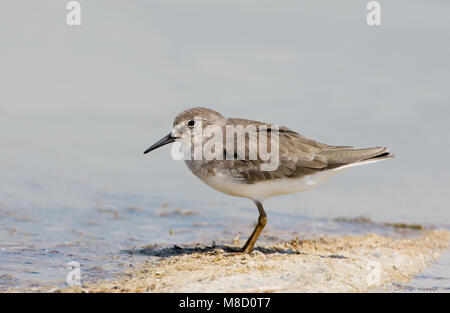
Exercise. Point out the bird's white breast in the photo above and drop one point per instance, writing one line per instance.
(266, 189)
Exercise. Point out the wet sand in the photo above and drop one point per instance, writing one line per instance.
(358, 263)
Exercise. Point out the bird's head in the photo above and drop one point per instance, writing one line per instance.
(187, 123)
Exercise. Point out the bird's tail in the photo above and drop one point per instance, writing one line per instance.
(352, 157)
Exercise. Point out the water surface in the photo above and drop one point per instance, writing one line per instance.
(78, 106)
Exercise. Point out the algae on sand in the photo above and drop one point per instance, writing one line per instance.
(325, 264)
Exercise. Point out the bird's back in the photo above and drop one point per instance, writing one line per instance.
(298, 155)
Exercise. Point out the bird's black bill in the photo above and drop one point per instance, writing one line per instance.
(162, 142)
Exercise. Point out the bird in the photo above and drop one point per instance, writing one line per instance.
(300, 163)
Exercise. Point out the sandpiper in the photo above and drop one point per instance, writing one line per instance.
(301, 164)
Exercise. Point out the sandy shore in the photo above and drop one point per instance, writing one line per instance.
(325, 264)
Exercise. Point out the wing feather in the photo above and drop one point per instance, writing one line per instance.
(298, 155)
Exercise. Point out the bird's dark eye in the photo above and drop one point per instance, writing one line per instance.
(191, 123)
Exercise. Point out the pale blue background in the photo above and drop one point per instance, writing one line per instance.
(78, 105)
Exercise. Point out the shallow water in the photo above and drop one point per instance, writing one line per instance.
(79, 106)
(436, 278)
(38, 240)
(93, 207)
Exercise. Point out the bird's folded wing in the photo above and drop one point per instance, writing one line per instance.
(298, 155)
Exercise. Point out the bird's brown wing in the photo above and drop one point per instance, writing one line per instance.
(298, 155)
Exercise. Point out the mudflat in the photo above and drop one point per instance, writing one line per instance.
(357, 263)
